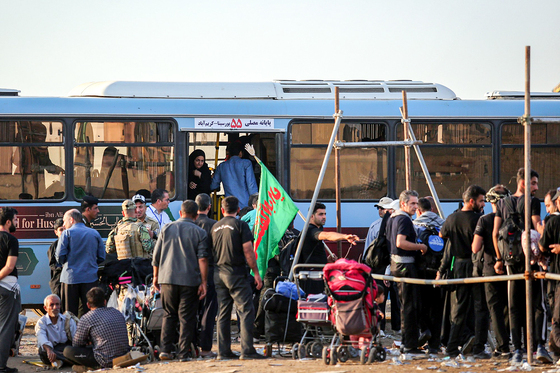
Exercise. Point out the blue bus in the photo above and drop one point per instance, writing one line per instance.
(111, 139)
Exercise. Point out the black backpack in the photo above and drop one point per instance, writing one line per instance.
(429, 236)
(509, 235)
(377, 254)
(287, 255)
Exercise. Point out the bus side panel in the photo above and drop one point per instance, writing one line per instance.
(33, 272)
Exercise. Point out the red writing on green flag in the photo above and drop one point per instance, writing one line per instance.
(275, 212)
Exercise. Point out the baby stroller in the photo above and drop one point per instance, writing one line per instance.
(128, 282)
(312, 314)
(351, 292)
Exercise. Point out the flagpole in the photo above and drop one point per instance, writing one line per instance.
(338, 117)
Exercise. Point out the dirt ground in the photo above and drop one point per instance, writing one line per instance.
(278, 364)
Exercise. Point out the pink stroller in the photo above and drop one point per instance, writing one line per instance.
(351, 292)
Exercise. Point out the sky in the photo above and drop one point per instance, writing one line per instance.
(472, 46)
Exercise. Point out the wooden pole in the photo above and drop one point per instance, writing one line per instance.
(407, 161)
(337, 176)
(527, 166)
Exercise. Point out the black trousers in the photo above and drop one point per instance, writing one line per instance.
(180, 304)
(410, 303)
(73, 297)
(81, 356)
(10, 306)
(392, 293)
(496, 298)
(554, 343)
(207, 310)
(432, 311)
(481, 318)
(462, 311)
(59, 352)
(517, 309)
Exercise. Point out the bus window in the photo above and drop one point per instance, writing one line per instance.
(456, 154)
(113, 160)
(545, 151)
(32, 154)
(363, 171)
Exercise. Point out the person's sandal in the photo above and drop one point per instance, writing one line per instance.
(165, 356)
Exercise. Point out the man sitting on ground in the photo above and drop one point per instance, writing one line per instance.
(54, 332)
(105, 328)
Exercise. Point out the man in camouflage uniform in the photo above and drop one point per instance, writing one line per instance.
(150, 223)
(130, 238)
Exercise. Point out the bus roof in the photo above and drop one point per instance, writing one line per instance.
(277, 90)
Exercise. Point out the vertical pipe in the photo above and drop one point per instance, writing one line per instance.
(527, 196)
(337, 176)
(407, 162)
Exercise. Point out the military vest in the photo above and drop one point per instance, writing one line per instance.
(127, 241)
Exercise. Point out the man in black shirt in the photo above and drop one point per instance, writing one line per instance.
(458, 229)
(401, 235)
(495, 292)
(232, 243)
(10, 298)
(208, 306)
(56, 269)
(550, 242)
(517, 288)
(313, 249)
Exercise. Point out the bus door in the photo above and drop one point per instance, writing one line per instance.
(268, 148)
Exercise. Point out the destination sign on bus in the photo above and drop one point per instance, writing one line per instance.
(37, 222)
(234, 123)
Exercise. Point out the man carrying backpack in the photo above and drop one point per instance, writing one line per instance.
(427, 225)
(459, 230)
(510, 212)
(495, 293)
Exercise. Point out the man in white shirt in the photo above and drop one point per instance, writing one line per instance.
(156, 211)
(54, 332)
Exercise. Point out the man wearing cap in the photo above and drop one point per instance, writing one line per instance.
(383, 207)
(130, 238)
(151, 224)
(160, 202)
(496, 293)
(80, 250)
(90, 210)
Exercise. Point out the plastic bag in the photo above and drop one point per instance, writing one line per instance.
(289, 290)
(113, 300)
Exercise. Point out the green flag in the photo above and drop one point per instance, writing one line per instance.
(275, 212)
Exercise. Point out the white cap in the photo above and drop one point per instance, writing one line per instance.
(395, 205)
(384, 202)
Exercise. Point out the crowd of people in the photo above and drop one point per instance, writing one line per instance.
(202, 267)
(458, 317)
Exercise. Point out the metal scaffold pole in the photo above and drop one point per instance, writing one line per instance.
(526, 120)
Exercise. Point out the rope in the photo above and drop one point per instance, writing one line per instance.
(455, 281)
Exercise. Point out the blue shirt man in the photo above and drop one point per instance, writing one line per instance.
(80, 250)
(237, 176)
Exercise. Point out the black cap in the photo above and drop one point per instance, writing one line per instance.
(91, 200)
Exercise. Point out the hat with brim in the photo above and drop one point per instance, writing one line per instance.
(384, 203)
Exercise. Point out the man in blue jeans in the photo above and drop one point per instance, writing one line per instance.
(233, 250)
